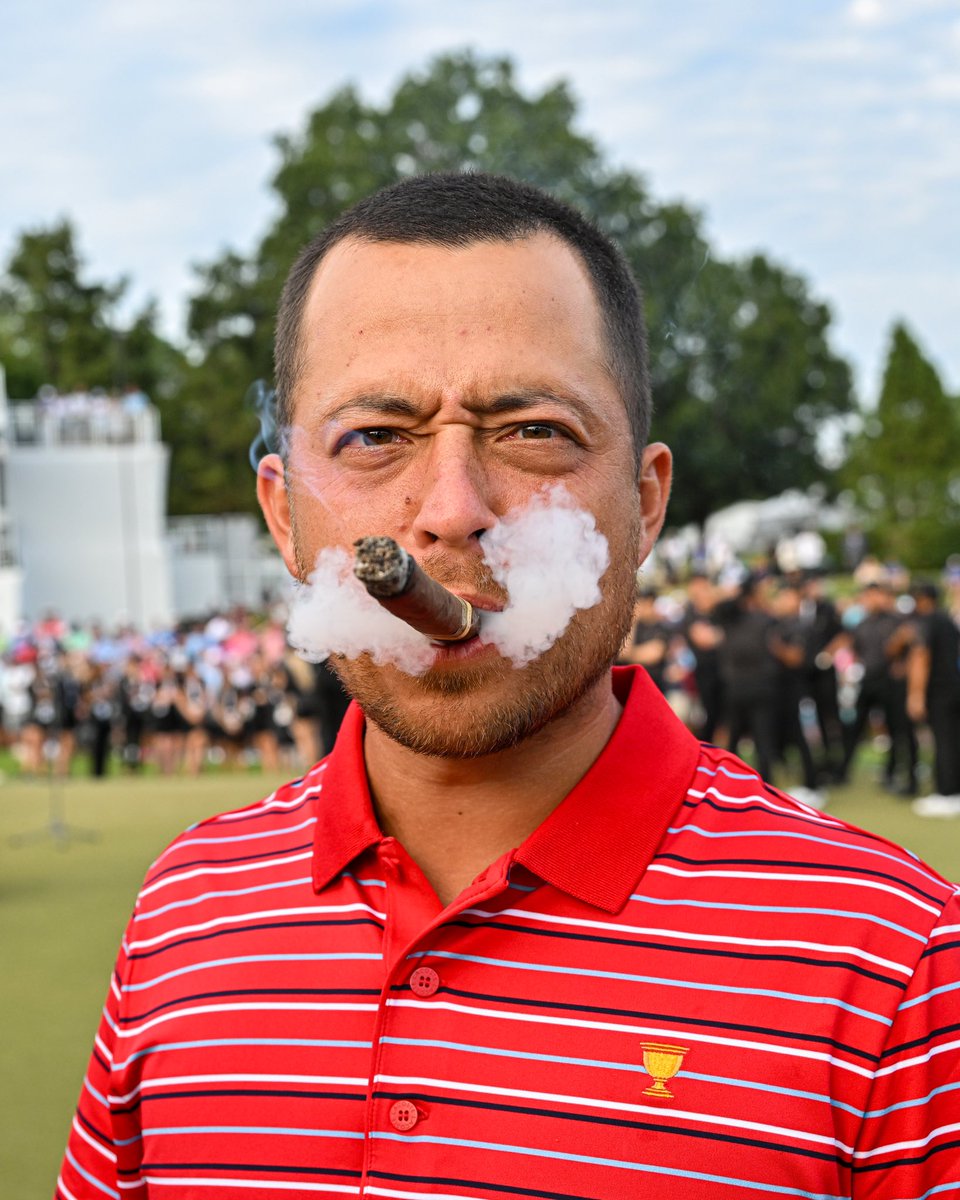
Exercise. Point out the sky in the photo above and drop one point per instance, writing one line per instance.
(826, 134)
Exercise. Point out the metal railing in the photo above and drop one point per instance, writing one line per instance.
(84, 421)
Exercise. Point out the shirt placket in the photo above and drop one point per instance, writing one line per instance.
(414, 915)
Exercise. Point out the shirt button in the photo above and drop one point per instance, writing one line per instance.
(424, 981)
(403, 1115)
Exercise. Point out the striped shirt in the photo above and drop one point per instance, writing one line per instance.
(683, 984)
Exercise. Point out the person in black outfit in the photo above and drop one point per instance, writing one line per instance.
(880, 645)
(749, 672)
(702, 637)
(821, 626)
(788, 642)
(648, 644)
(933, 693)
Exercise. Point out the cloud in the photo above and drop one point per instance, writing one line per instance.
(823, 133)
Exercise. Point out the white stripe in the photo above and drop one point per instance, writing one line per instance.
(942, 932)
(270, 803)
(266, 1006)
(100, 1045)
(167, 1081)
(279, 831)
(93, 1142)
(257, 915)
(934, 1133)
(644, 1030)
(189, 902)
(761, 876)
(379, 1191)
(63, 1188)
(681, 935)
(913, 1062)
(810, 813)
(114, 986)
(614, 1106)
(267, 864)
(128, 1185)
(265, 1184)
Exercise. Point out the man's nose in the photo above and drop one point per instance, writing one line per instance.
(454, 502)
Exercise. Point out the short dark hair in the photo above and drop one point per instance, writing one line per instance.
(458, 209)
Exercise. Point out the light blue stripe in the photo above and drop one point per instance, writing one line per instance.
(882, 1112)
(262, 887)
(633, 1067)
(317, 1133)
(364, 882)
(939, 991)
(95, 1094)
(674, 1172)
(528, 1056)
(520, 887)
(246, 837)
(729, 774)
(307, 1042)
(804, 837)
(249, 958)
(773, 908)
(938, 1190)
(655, 979)
(91, 1178)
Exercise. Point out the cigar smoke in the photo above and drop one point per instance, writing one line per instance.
(547, 555)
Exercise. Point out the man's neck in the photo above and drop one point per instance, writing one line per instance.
(455, 817)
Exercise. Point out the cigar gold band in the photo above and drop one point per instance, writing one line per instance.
(464, 628)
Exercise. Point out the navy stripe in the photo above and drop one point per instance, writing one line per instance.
(223, 862)
(856, 1051)
(922, 1041)
(234, 929)
(274, 1170)
(617, 1122)
(811, 866)
(499, 1188)
(936, 949)
(179, 1000)
(674, 948)
(906, 1162)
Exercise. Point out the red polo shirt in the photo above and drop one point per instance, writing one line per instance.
(683, 983)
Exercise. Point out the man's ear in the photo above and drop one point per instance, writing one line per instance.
(656, 474)
(275, 503)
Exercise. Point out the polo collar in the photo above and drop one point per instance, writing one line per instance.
(595, 845)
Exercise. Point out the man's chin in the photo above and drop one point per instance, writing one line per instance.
(482, 708)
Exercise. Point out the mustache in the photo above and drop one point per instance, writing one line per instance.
(460, 575)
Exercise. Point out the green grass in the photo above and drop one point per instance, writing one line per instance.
(62, 912)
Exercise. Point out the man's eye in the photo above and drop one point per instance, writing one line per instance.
(368, 437)
(537, 432)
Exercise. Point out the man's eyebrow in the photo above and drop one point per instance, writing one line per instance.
(521, 399)
(383, 404)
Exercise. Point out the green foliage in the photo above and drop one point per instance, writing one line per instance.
(904, 466)
(742, 368)
(59, 328)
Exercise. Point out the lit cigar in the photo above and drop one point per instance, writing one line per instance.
(392, 577)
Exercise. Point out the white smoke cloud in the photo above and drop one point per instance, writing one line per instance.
(548, 556)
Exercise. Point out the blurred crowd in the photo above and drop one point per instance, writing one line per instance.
(772, 659)
(223, 690)
(773, 664)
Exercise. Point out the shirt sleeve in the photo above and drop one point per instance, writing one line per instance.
(909, 1143)
(91, 1169)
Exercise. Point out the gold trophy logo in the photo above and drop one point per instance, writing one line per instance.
(662, 1062)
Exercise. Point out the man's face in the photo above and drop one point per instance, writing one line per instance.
(441, 388)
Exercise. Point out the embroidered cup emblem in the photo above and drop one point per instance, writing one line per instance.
(662, 1061)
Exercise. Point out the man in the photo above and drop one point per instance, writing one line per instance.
(879, 642)
(933, 696)
(822, 626)
(519, 935)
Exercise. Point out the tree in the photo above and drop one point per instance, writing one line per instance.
(57, 327)
(742, 368)
(904, 466)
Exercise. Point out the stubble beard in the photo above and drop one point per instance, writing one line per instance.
(490, 706)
